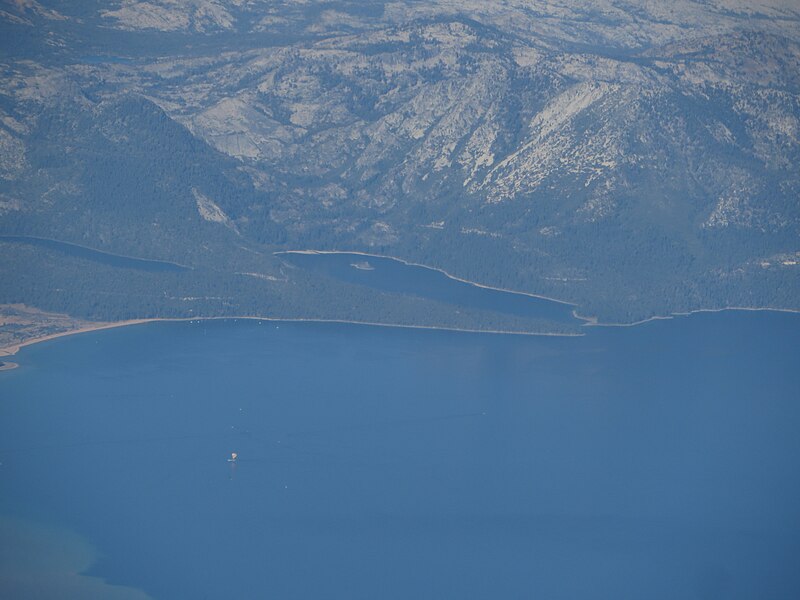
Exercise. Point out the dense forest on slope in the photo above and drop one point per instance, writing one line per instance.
(633, 159)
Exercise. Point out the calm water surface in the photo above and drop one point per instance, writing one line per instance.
(392, 275)
(660, 461)
(98, 256)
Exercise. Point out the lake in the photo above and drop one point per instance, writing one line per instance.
(98, 256)
(393, 275)
(656, 461)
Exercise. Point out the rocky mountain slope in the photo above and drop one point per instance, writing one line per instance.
(636, 158)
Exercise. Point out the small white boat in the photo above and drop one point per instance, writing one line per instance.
(234, 457)
(362, 266)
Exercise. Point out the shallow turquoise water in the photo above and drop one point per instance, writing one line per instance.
(659, 461)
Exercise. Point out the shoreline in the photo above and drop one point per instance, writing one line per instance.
(591, 322)
(430, 268)
(588, 321)
(15, 348)
(25, 239)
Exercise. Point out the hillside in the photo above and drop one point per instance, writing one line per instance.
(633, 158)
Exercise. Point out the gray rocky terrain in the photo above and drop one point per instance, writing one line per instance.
(635, 158)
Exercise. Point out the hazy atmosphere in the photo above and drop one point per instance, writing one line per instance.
(399, 299)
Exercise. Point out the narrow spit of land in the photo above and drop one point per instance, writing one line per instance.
(22, 326)
(12, 349)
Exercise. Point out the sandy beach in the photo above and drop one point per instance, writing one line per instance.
(14, 348)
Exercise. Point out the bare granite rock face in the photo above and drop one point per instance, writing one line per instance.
(604, 153)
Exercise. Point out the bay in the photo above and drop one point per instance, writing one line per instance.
(655, 461)
(393, 275)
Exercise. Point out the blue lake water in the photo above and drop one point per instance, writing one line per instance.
(392, 275)
(98, 256)
(658, 461)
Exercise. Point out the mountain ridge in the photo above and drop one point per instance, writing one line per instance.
(634, 160)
